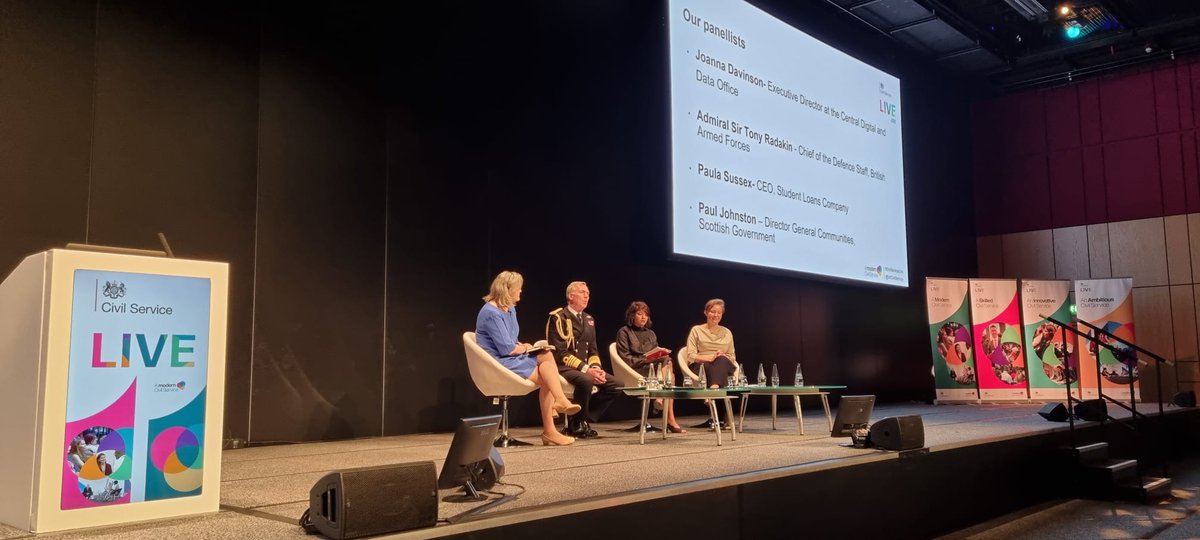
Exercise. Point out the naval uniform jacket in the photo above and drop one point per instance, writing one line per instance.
(573, 338)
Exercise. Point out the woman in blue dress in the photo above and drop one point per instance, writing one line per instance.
(496, 332)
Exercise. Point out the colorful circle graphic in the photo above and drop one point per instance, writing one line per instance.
(99, 458)
(177, 452)
(1118, 366)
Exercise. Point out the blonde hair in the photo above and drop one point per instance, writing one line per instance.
(502, 288)
(574, 286)
(712, 303)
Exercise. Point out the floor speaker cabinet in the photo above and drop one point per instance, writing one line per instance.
(898, 433)
(1054, 412)
(493, 469)
(374, 500)
(1092, 410)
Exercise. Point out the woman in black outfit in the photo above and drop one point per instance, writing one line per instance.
(634, 340)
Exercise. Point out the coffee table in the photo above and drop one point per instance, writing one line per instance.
(796, 392)
(713, 395)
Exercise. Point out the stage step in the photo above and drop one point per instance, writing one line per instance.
(1090, 453)
(1110, 471)
(1150, 489)
(1098, 476)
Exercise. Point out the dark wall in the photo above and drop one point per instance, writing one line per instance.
(366, 171)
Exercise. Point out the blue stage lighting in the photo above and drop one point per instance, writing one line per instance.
(1073, 32)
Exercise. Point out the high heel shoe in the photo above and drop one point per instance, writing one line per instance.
(676, 429)
(566, 407)
(547, 441)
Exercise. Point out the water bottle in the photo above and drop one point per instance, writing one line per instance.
(669, 377)
(774, 375)
(762, 376)
(799, 376)
(742, 381)
(651, 379)
(703, 378)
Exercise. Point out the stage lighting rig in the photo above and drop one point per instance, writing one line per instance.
(1081, 20)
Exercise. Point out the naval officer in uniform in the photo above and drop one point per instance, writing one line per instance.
(572, 332)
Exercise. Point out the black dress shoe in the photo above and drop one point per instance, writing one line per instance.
(583, 431)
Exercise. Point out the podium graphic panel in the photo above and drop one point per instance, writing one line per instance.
(138, 368)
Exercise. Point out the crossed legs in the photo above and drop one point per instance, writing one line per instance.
(551, 398)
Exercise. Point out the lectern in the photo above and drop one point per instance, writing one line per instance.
(112, 380)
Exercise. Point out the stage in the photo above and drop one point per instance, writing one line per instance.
(982, 461)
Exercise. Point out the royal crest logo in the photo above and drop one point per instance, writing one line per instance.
(114, 289)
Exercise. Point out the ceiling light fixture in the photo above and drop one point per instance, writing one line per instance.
(1073, 30)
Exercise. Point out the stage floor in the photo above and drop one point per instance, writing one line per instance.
(265, 489)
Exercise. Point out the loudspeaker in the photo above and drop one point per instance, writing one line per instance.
(1054, 412)
(898, 433)
(493, 470)
(1093, 410)
(1187, 398)
(374, 500)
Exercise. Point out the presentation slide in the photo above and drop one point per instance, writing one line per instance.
(786, 152)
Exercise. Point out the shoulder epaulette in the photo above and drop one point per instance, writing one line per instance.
(555, 312)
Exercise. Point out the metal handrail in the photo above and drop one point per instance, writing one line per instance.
(1132, 407)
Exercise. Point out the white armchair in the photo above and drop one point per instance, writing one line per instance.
(693, 370)
(685, 365)
(626, 376)
(494, 380)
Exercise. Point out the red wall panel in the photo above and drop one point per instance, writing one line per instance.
(1062, 118)
(1131, 179)
(1021, 200)
(1191, 173)
(986, 128)
(1170, 166)
(1066, 188)
(1089, 112)
(1127, 105)
(1194, 89)
(1166, 99)
(1119, 148)
(1183, 77)
(1095, 198)
(1029, 125)
(1006, 126)
(987, 175)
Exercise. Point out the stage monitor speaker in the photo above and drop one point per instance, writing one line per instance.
(1054, 412)
(898, 433)
(374, 500)
(1187, 398)
(1092, 410)
(493, 469)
